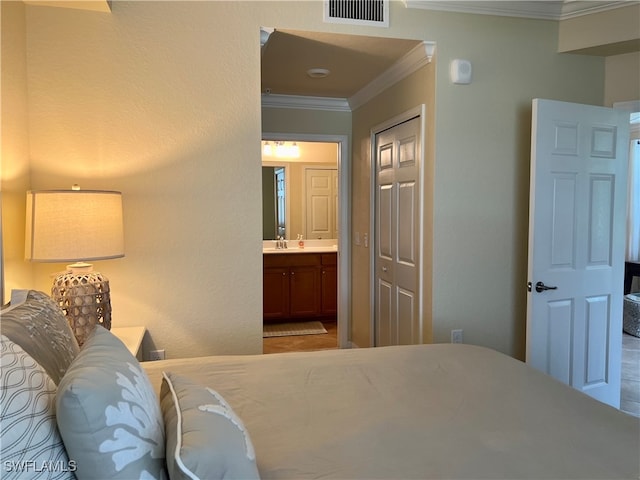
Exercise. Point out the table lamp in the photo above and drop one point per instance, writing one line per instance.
(76, 226)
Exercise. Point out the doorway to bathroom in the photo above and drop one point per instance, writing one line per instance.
(322, 208)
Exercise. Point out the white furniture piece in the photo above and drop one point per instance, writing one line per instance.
(132, 338)
(631, 317)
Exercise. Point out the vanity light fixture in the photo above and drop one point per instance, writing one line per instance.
(281, 150)
(76, 226)
(294, 150)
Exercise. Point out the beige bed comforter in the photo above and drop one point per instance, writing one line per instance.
(435, 411)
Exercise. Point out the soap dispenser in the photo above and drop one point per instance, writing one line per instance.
(300, 241)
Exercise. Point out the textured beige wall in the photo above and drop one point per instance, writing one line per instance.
(482, 170)
(605, 31)
(161, 101)
(622, 78)
(152, 100)
(15, 145)
(288, 120)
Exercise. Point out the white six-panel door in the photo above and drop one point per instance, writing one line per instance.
(397, 160)
(576, 245)
(321, 197)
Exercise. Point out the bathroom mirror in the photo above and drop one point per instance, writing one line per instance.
(299, 193)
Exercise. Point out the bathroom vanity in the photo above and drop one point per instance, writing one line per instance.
(299, 284)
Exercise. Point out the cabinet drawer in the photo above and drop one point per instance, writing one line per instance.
(291, 260)
(329, 259)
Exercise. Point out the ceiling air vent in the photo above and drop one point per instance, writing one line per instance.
(357, 12)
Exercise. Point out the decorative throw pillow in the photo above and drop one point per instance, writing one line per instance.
(31, 446)
(36, 323)
(205, 438)
(108, 413)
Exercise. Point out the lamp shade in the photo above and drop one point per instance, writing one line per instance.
(73, 225)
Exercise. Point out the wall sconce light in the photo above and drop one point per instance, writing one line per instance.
(76, 226)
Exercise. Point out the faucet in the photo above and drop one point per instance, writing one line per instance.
(281, 243)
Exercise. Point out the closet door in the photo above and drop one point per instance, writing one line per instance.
(397, 218)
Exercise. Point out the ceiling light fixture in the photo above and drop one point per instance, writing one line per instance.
(318, 72)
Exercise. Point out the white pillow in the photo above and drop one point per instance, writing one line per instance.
(31, 444)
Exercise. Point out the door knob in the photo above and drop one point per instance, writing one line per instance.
(541, 287)
(384, 269)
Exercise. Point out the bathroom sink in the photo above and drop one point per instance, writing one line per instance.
(296, 249)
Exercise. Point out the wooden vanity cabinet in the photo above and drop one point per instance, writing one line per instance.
(298, 285)
(304, 291)
(329, 288)
(275, 295)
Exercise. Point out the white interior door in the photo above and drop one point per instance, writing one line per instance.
(576, 245)
(321, 196)
(397, 221)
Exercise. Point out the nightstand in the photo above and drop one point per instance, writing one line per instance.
(132, 338)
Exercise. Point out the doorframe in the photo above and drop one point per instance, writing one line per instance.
(419, 111)
(344, 200)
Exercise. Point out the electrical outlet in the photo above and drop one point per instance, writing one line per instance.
(156, 355)
(456, 336)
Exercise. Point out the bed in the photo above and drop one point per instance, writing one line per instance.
(428, 411)
(434, 411)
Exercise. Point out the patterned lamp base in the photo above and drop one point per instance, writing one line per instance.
(85, 300)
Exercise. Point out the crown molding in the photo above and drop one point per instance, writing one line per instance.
(419, 56)
(542, 10)
(305, 102)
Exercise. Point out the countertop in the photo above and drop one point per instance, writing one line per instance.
(310, 246)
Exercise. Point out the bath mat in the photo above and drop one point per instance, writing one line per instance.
(293, 328)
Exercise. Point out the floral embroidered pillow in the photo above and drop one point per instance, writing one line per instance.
(36, 323)
(205, 437)
(109, 415)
